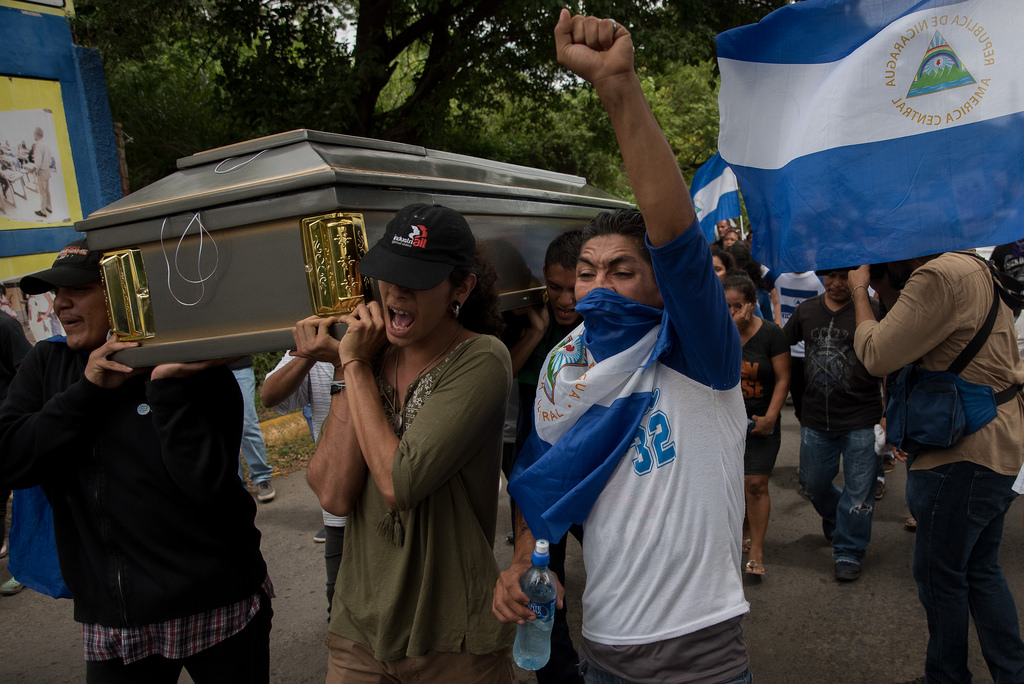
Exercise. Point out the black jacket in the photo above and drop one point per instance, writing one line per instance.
(151, 520)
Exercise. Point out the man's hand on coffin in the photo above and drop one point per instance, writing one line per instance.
(105, 372)
(365, 334)
(313, 339)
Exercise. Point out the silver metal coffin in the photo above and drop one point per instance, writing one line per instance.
(222, 257)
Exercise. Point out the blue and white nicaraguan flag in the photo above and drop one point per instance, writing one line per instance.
(715, 194)
(586, 415)
(873, 130)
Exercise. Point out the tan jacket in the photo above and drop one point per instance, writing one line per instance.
(943, 305)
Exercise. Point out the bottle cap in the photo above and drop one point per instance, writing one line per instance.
(540, 552)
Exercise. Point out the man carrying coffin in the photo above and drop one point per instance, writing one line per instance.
(155, 532)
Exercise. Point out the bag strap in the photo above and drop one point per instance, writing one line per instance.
(1009, 288)
(1007, 394)
(979, 339)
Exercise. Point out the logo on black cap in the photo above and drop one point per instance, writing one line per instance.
(417, 237)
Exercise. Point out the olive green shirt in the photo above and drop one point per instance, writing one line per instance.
(945, 302)
(421, 578)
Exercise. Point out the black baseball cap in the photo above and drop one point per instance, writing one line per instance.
(76, 264)
(421, 246)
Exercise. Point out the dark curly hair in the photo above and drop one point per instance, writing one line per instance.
(626, 222)
(479, 312)
(724, 256)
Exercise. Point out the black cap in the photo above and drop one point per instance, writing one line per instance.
(420, 247)
(75, 265)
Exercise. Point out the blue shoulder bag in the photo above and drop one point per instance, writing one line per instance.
(936, 409)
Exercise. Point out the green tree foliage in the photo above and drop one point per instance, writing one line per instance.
(688, 27)
(571, 133)
(169, 106)
(684, 98)
(161, 78)
(471, 76)
(283, 65)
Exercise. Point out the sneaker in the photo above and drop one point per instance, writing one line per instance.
(265, 491)
(321, 536)
(847, 570)
(11, 587)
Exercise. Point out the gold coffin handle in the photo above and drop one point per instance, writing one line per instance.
(127, 291)
(332, 245)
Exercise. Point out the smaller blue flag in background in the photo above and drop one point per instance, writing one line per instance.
(716, 195)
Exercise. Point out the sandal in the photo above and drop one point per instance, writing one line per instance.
(755, 568)
(746, 546)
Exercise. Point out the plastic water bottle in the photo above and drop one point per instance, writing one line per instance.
(533, 640)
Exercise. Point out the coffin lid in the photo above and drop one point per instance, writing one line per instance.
(288, 162)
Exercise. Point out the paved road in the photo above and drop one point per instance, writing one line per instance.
(803, 625)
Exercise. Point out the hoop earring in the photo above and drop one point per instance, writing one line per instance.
(456, 307)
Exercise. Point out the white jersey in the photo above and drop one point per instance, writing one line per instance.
(662, 549)
(794, 288)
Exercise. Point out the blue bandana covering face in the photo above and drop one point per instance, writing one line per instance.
(593, 392)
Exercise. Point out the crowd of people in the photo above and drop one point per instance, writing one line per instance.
(651, 385)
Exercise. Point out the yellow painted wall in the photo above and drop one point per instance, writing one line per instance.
(48, 8)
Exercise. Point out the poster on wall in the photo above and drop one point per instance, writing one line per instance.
(37, 177)
(20, 4)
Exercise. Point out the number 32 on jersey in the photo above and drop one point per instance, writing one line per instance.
(652, 443)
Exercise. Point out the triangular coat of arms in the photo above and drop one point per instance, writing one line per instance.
(940, 69)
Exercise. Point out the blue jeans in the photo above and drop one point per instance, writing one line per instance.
(594, 675)
(307, 413)
(254, 451)
(851, 507)
(960, 509)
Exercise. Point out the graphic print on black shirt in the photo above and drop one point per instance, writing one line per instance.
(830, 360)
